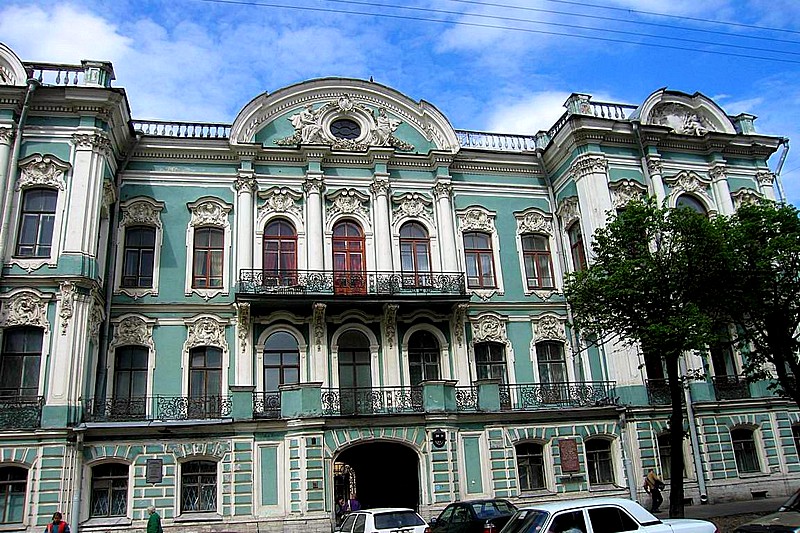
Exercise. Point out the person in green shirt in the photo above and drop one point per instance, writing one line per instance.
(154, 522)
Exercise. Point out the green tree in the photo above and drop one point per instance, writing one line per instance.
(656, 279)
(765, 302)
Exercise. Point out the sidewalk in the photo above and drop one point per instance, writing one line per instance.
(767, 505)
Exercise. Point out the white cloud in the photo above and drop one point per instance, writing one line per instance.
(528, 114)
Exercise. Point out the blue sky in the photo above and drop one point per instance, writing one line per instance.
(203, 60)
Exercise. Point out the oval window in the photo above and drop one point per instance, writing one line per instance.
(344, 128)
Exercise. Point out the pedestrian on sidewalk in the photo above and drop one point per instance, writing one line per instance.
(653, 485)
(153, 521)
(57, 525)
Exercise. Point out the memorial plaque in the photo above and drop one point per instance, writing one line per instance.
(568, 449)
(154, 470)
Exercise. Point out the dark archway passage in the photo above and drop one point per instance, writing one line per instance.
(383, 474)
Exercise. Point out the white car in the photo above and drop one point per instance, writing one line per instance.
(598, 515)
(395, 520)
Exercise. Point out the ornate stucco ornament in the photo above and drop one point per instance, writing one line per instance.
(549, 328)
(318, 321)
(476, 218)
(765, 177)
(24, 308)
(134, 330)
(209, 213)
(313, 126)
(489, 328)
(348, 202)
(39, 169)
(67, 296)
(142, 212)
(682, 119)
(688, 181)
(280, 200)
(534, 221)
(625, 191)
(243, 321)
(457, 322)
(588, 164)
(412, 205)
(96, 316)
(568, 210)
(746, 197)
(206, 331)
(6, 135)
(390, 322)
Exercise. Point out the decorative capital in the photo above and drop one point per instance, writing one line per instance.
(245, 184)
(589, 164)
(6, 135)
(380, 186)
(549, 328)
(39, 169)
(654, 165)
(442, 189)
(314, 185)
(206, 331)
(765, 178)
(24, 309)
(718, 172)
(91, 141)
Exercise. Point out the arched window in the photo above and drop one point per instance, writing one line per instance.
(35, 237)
(208, 257)
(198, 486)
(490, 361)
(281, 361)
(109, 490)
(205, 382)
(423, 357)
(139, 254)
(280, 254)
(538, 264)
(13, 487)
(576, 247)
(530, 465)
(479, 260)
(744, 450)
(415, 255)
(349, 261)
(687, 201)
(19, 365)
(599, 462)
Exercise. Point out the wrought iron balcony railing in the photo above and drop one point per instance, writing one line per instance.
(466, 398)
(21, 412)
(267, 405)
(527, 397)
(156, 408)
(322, 282)
(731, 387)
(371, 401)
(658, 391)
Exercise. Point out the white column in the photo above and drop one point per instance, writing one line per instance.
(722, 192)
(69, 346)
(245, 186)
(594, 198)
(655, 170)
(85, 194)
(443, 192)
(766, 180)
(6, 140)
(244, 361)
(314, 187)
(383, 230)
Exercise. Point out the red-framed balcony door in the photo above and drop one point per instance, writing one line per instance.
(349, 264)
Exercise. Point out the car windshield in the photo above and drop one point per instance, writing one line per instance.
(526, 521)
(492, 509)
(792, 504)
(396, 519)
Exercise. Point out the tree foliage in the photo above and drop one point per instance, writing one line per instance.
(658, 279)
(764, 292)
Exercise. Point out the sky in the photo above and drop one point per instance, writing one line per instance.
(489, 65)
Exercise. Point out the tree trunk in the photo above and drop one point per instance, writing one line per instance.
(675, 437)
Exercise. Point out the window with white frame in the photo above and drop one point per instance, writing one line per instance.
(490, 361)
(13, 488)
(36, 222)
(130, 381)
(745, 450)
(208, 245)
(20, 362)
(423, 357)
(138, 257)
(109, 496)
(537, 260)
(599, 461)
(530, 465)
(198, 486)
(141, 234)
(576, 247)
(480, 245)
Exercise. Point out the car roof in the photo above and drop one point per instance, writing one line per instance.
(483, 500)
(386, 510)
(635, 509)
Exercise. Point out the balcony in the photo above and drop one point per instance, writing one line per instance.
(527, 397)
(299, 287)
(371, 401)
(731, 387)
(146, 408)
(658, 392)
(267, 405)
(21, 412)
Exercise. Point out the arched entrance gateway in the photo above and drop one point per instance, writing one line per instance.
(381, 474)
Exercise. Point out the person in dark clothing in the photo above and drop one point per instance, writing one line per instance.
(153, 521)
(653, 485)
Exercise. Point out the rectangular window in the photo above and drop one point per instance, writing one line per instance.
(536, 255)
(598, 457)
(140, 247)
(19, 366)
(35, 237)
(208, 258)
(479, 258)
(490, 361)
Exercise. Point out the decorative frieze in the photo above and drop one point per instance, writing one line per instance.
(549, 328)
(625, 191)
(206, 331)
(66, 291)
(24, 308)
(209, 213)
(348, 202)
(412, 205)
(42, 170)
(281, 200)
(534, 221)
(681, 119)
(133, 329)
(489, 328)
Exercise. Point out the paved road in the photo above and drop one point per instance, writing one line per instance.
(766, 505)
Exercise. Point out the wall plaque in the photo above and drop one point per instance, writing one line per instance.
(154, 470)
(568, 449)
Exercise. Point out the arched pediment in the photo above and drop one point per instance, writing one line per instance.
(313, 113)
(685, 114)
(12, 71)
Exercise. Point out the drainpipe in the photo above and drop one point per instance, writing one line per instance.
(626, 456)
(102, 355)
(781, 192)
(8, 195)
(698, 462)
(76, 493)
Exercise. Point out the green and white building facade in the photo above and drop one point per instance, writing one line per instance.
(340, 293)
